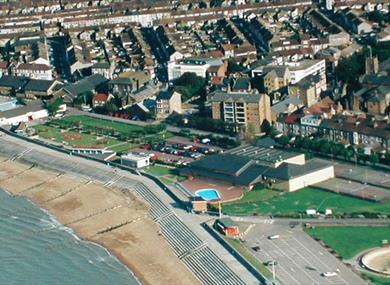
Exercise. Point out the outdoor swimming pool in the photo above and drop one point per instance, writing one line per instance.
(208, 194)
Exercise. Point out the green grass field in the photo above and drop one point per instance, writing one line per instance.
(348, 241)
(266, 202)
(85, 140)
(378, 280)
(168, 175)
(95, 122)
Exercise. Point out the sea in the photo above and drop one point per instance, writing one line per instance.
(36, 249)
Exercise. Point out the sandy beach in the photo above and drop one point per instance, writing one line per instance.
(116, 220)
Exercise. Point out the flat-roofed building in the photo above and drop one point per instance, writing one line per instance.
(135, 160)
(248, 110)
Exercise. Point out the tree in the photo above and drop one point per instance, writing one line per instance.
(374, 158)
(234, 67)
(349, 69)
(250, 133)
(84, 98)
(283, 140)
(216, 3)
(266, 127)
(202, 5)
(325, 147)
(189, 85)
(53, 105)
(111, 107)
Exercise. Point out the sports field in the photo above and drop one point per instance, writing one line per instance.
(267, 202)
(348, 241)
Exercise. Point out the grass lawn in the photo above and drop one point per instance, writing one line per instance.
(244, 251)
(72, 138)
(159, 170)
(265, 202)
(348, 241)
(96, 122)
(165, 174)
(378, 280)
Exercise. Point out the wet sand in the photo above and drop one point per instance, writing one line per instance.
(116, 220)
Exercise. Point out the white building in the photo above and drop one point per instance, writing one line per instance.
(27, 113)
(305, 68)
(199, 66)
(135, 160)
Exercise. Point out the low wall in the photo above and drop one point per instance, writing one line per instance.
(236, 254)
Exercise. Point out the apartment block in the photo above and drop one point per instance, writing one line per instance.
(242, 109)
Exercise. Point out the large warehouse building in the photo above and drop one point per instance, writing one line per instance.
(250, 165)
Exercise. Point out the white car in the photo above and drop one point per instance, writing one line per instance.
(274, 237)
(329, 274)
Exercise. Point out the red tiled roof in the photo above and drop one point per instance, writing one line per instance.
(33, 66)
(3, 64)
(100, 97)
(216, 80)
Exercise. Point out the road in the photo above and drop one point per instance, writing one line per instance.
(316, 221)
(300, 259)
(18, 149)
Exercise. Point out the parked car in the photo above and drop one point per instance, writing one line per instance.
(329, 274)
(274, 237)
(256, 248)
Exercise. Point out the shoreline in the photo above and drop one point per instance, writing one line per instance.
(90, 211)
(76, 236)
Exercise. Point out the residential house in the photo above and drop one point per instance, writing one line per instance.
(375, 100)
(103, 68)
(100, 99)
(3, 68)
(34, 71)
(11, 85)
(94, 83)
(308, 89)
(167, 102)
(38, 88)
(128, 83)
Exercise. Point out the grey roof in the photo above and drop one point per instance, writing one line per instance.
(104, 65)
(30, 107)
(227, 222)
(84, 85)
(374, 79)
(219, 96)
(282, 106)
(266, 142)
(15, 82)
(241, 84)
(222, 163)
(277, 69)
(286, 171)
(261, 154)
(165, 94)
(39, 85)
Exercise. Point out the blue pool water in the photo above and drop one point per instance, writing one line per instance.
(208, 194)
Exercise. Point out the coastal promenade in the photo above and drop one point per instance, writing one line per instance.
(205, 257)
